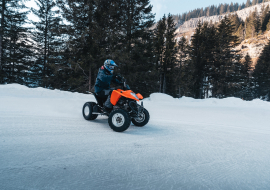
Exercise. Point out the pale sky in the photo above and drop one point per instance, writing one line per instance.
(161, 7)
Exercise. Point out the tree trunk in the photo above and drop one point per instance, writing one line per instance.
(13, 65)
(164, 84)
(90, 73)
(45, 56)
(164, 75)
(45, 48)
(201, 88)
(2, 30)
(160, 83)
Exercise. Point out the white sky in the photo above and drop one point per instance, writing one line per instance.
(161, 7)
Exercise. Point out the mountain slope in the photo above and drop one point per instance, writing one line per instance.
(243, 14)
(252, 46)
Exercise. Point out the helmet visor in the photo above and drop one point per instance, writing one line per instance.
(111, 67)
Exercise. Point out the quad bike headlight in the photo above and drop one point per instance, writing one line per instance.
(134, 95)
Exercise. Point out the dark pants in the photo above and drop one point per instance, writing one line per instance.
(104, 94)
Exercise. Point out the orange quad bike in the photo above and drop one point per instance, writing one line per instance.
(125, 109)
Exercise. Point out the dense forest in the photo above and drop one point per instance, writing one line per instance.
(71, 40)
(215, 10)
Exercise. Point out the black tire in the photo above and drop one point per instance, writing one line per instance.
(119, 120)
(143, 120)
(87, 111)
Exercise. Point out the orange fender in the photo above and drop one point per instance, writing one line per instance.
(139, 96)
(116, 95)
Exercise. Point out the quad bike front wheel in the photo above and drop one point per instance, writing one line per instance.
(87, 111)
(142, 119)
(119, 120)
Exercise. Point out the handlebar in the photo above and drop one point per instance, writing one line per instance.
(123, 80)
(126, 86)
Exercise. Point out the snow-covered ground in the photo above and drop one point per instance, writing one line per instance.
(45, 143)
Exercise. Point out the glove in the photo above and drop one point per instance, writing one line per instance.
(118, 77)
(127, 87)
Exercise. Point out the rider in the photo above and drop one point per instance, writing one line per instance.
(104, 78)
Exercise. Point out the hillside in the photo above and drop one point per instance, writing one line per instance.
(192, 23)
(252, 46)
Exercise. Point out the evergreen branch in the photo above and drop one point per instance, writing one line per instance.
(82, 69)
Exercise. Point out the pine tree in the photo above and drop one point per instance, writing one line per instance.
(247, 65)
(222, 9)
(246, 80)
(268, 26)
(253, 25)
(87, 44)
(166, 54)
(226, 65)
(218, 10)
(236, 7)
(114, 29)
(160, 40)
(248, 4)
(243, 6)
(48, 41)
(265, 17)
(213, 66)
(137, 18)
(239, 8)
(15, 44)
(240, 33)
(208, 12)
(2, 9)
(215, 11)
(235, 21)
(228, 9)
(238, 27)
(261, 74)
(169, 58)
(201, 57)
(183, 69)
(197, 61)
(160, 47)
(232, 7)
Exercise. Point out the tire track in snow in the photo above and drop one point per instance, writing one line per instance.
(161, 155)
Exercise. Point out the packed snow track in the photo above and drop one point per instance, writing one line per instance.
(45, 143)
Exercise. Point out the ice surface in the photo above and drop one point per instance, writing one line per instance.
(45, 143)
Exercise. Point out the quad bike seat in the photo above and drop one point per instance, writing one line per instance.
(100, 99)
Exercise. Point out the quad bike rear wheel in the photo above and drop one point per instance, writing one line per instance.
(142, 120)
(87, 111)
(119, 120)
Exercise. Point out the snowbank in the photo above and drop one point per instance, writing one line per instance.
(160, 97)
(225, 102)
(17, 90)
(40, 101)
